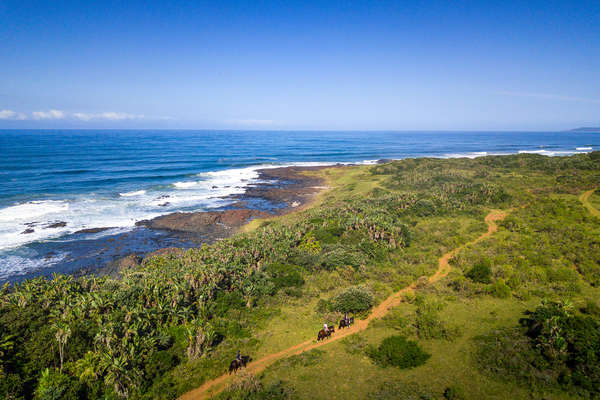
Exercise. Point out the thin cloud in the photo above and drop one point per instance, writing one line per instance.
(79, 116)
(548, 96)
(51, 114)
(7, 114)
(10, 114)
(107, 116)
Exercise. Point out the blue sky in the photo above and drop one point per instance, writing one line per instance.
(414, 65)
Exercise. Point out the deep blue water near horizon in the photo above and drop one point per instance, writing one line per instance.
(56, 182)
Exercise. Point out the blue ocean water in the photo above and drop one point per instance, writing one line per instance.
(55, 183)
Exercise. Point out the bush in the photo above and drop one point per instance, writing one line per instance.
(247, 386)
(310, 244)
(428, 323)
(481, 272)
(323, 306)
(354, 299)
(500, 289)
(510, 355)
(160, 362)
(399, 352)
(55, 385)
(285, 275)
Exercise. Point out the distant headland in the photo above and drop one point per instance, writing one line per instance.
(595, 129)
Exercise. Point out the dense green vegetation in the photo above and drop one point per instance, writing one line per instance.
(399, 352)
(167, 326)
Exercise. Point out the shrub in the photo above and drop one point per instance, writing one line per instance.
(510, 355)
(310, 244)
(399, 352)
(481, 272)
(424, 208)
(500, 289)
(247, 386)
(55, 385)
(353, 299)
(323, 306)
(285, 275)
(428, 322)
(160, 362)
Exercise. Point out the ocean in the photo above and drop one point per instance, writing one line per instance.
(58, 182)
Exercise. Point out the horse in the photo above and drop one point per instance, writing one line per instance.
(323, 334)
(331, 329)
(346, 323)
(234, 366)
(238, 364)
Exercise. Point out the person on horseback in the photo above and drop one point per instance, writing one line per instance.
(325, 328)
(346, 319)
(238, 357)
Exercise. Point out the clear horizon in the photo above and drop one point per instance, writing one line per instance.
(469, 66)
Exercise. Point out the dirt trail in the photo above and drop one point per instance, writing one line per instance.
(584, 198)
(213, 387)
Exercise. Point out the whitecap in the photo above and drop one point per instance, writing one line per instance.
(184, 185)
(583, 148)
(473, 154)
(134, 193)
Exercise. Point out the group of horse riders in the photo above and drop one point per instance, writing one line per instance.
(241, 361)
(328, 330)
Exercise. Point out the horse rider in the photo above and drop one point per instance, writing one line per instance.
(325, 328)
(238, 357)
(346, 319)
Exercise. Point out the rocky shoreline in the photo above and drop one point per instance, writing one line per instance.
(284, 189)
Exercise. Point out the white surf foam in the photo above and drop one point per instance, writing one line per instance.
(32, 210)
(551, 153)
(474, 154)
(583, 148)
(134, 193)
(15, 265)
(184, 185)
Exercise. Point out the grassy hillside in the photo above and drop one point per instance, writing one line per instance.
(516, 317)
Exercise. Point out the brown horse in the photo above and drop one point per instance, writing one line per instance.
(346, 323)
(238, 364)
(323, 334)
(234, 366)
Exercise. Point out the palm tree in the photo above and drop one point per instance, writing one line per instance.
(63, 332)
(116, 373)
(87, 367)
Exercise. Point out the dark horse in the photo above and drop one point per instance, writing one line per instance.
(346, 323)
(237, 364)
(323, 334)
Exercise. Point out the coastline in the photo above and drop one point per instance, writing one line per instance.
(290, 188)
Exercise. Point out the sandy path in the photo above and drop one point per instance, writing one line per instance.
(213, 387)
(584, 198)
